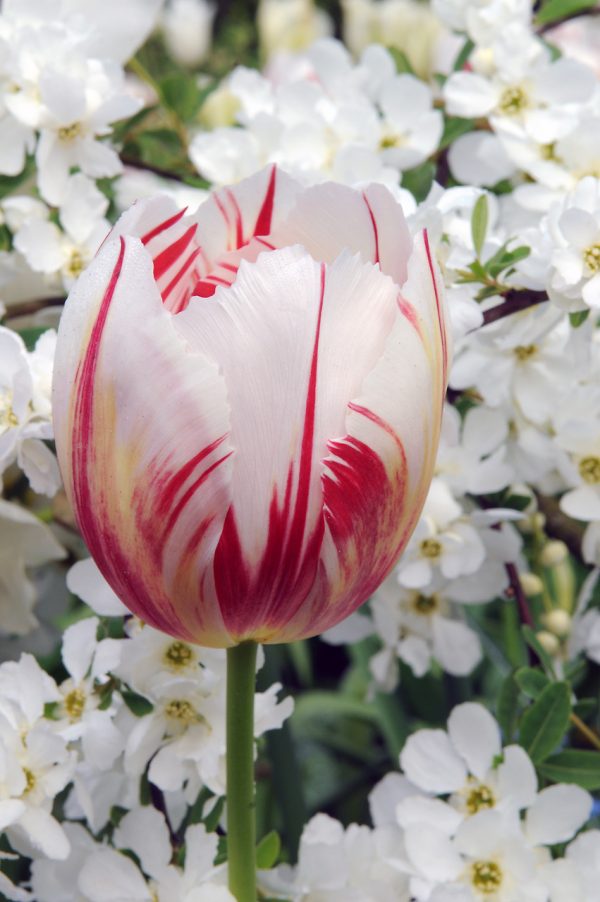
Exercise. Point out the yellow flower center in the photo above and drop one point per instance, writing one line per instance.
(75, 703)
(76, 264)
(480, 797)
(8, 418)
(425, 604)
(486, 876)
(512, 101)
(181, 709)
(178, 655)
(30, 780)
(589, 469)
(591, 258)
(525, 352)
(431, 548)
(70, 132)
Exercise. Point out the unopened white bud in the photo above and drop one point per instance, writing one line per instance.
(553, 553)
(548, 641)
(531, 584)
(558, 622)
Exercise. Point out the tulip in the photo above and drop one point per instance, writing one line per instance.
(247, 405)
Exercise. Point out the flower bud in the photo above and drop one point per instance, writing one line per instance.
(558, 622)
(553, 553)
(548, 641)
(531, 584)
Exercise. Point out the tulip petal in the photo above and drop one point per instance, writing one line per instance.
(330, 217)
(377, 476)
(295, 340)
(142, 437)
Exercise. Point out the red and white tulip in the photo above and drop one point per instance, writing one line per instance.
(247, 404)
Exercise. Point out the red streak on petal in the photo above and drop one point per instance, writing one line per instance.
(440, 316)
(265, 216)
(168, 490)
(267, 244)
(239, 228)
(375, 418)
(161, 227)
(228, 266)
(173, 252)
(180, 274)
(190, 492)
(408, 311)
(83, 416)
(374, 224)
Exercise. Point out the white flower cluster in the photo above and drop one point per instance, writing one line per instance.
(142, 710)
(464, 822)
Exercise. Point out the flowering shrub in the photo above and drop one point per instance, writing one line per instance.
(442, 744)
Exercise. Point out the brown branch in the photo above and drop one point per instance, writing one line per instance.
(134, 163)
(514, 301)
(26, 308)
(516, 590)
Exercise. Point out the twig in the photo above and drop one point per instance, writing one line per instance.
(150, 167)
(519, 595)
(26, 308)
(514, 302)
(559, 526)
(591, 735)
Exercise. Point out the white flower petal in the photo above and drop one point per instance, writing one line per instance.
(557, 814)
(476, 737)
(430, 762)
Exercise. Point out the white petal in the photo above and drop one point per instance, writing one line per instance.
(517, 780)
(582, 503)
(455, 645)
(108, 876)
(423, 810)
(85, 580)
(44, 832)
(557, 814)
(431, 851)
(430, 762)
(10, 811)
(145, 832)
(482, 834)
(41, 244)
(476, 737)
(39, 465)
(385, 797)
(78, 646)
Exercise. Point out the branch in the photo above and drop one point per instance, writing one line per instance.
(559, 526)
(133, 163)
(26, 308)
(514, 301)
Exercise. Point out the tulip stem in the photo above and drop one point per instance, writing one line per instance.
(241, 815)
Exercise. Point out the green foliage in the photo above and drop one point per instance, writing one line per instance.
(531, 681)
(401, 60)
(181, 94)
(573, 766)
(137, 704)
(507, 708)
(454, 127)
(419, 180)
(577, 319)
(479, 223)
(31, 335)
(555, 10)
(9, 183)
(545, 722)
(267, 851)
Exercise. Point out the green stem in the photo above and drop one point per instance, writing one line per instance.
(241, 818)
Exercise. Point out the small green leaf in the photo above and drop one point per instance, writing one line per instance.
(504, 259)
(181, 94)
(531, 681)
(507, 707)
(479, 223)
(573, 766)
(454, 127)
(419, 180)
(137, 704)
(214, 816)
(401, 60)
(516, 502)
(577, 319)
(267, 851)
(544, 724)
(554, 10)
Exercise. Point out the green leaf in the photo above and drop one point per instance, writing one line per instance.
(5, 238)
(553, 10)
(454, 127)
(401, 60)
(534, 643)
(267, 851)
(9, 183)
(479, 223)
(577, 319)
(573, 766)
(181, 94)
(507, 708)
(516, 502)
(160, 147)
(504, 259)
(531, 681)
(212, 819)
(419, 180)
(137, 704)
(544, 724)
(31, 335)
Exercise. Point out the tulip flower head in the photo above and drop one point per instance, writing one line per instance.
(247, 404)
